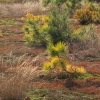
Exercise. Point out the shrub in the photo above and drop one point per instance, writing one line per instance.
(92, 7)
(90, 14)
(73, 5)
(59, 62)
(45, 29)
(60, 29)
(84, 34)
(36, 29)
(70, 4)
(56, 63)
(57, 50)
(96, 17)
(83, 16)
(62, 65)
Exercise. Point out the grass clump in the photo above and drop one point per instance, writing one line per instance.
(56, 94)
(8, 22)
(13, 88)
(20, 9)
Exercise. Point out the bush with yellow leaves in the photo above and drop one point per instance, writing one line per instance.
(57, 53)
(75, 69)
(84, 34)
(83, 16)
(59, 62)
(55, 63)
(36, 29)
(45, 29)
(91, 14)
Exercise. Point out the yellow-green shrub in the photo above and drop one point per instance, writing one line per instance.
(60, 63)
(46, 29)
(56, 63)
(57, 50)
(84, 34)
(36, 29)
(57, 57)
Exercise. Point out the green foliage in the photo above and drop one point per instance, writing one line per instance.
(60, 2)
(84, 34)
(92, 7)
(53, 30)
(57, 94)
(8, 22)
(70, 4)
(73, 5)
(55, 2)
(47, 29)
(85, 76)
(60, 29)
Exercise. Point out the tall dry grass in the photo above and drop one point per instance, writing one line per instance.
(13, 88)
(15, 80)
(86, 49)
(20, 9)
(17, 1)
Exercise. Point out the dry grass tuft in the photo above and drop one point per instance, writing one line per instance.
(85, 49)
(25, 65)
(20, 9)
(13, 88)
(16, 78)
